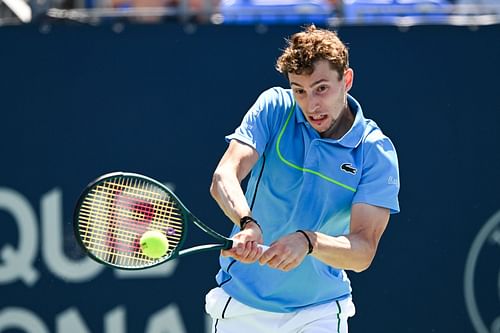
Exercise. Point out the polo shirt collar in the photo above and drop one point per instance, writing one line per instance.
(354, 136)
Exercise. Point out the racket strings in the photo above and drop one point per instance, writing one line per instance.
(116, 213)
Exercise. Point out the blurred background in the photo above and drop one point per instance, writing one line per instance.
(153, 86)
(332, 12)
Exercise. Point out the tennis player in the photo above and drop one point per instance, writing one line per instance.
(324, 181)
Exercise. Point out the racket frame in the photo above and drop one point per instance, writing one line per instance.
(187, 217)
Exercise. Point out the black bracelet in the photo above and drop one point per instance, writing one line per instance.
(247, 219)
(308, 240)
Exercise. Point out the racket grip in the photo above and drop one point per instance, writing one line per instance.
(263, 247)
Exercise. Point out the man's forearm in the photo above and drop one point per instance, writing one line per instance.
(350, 252)
(227, 192)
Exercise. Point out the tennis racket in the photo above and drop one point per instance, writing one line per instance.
(115, 210)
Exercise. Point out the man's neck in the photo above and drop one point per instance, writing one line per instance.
(341, 126)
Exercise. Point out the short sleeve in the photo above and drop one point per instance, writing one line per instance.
(379, 185)
(260, 122)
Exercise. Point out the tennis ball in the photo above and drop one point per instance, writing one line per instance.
(154, 244)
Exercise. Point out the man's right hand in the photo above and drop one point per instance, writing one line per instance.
(245, 244)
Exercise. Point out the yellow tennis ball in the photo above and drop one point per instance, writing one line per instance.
(154, 244)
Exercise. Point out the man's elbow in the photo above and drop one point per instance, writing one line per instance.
(216, 177)
(361, 267)
(363, 263)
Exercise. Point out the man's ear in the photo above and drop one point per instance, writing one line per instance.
(348, 78)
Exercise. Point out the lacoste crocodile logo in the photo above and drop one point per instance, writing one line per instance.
(347, 167)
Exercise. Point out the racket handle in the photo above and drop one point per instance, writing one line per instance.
(263, 247)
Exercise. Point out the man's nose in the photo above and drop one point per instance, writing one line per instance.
(312, 103)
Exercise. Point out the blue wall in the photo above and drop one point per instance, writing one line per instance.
(78, 101)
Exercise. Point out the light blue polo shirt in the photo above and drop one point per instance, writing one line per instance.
(302, 181)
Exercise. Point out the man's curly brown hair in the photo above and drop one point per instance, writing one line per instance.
(306, 47)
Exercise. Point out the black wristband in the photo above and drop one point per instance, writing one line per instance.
(247, 219)
(308, 241)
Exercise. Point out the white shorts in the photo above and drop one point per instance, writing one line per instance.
(231, 316)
